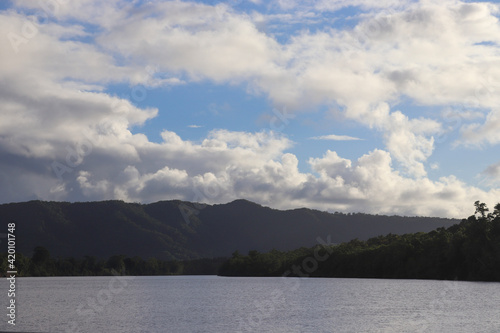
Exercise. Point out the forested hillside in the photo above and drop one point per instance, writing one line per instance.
(467, 251)
(176, 230)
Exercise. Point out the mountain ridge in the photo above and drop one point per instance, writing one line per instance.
(175, 229)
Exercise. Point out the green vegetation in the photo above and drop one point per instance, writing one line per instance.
(466, 251)
(41, 264)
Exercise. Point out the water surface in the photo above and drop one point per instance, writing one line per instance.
(222, 304)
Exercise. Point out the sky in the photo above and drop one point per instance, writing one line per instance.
(382, 107)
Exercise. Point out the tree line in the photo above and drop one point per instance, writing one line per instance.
(469, 250)
(42, 264)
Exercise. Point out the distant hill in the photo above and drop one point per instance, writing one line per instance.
(467, 251)
(183, 230)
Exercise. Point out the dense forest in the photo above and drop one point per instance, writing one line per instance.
(466, 251)
(41, 264)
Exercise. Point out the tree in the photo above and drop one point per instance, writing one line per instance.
(40, 255)
(481, 208)
(41, 265)
(496, 212)
(116, 263)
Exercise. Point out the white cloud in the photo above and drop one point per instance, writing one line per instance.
(335, 137)
(476, 134)
(334, 5)
(399, 53)
(104, 14)
(54, 109)
(373, 182)
(434, 166)
(197, 40)
(359, 69)
(230, 165)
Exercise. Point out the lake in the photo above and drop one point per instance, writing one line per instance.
(250, 304)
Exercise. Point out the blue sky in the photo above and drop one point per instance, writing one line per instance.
(381, 107)
(232, 108)
(217, 106)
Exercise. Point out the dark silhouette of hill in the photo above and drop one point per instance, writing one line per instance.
(466, 251)
(165, 231)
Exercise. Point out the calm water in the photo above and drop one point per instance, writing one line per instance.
(218, 304)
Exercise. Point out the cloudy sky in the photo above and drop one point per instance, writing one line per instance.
(387, 107)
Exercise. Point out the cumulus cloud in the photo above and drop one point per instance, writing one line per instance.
(477, 134)
(369, 184)
(372, 181)
(398, 53)
(63, 138)
(196, 40)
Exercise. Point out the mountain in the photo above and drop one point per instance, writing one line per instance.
(184, 230)
(467, 251)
